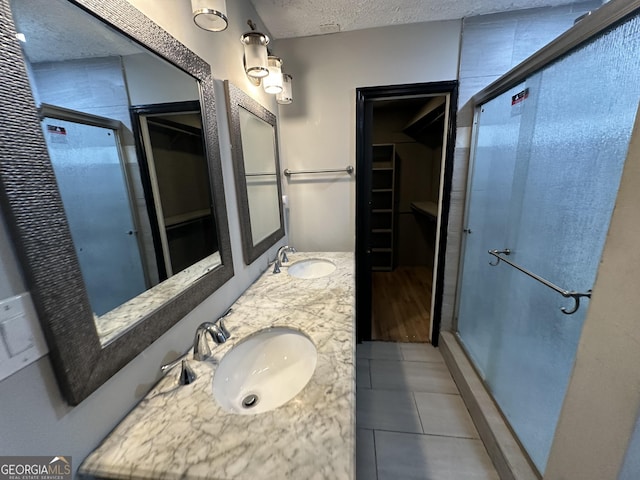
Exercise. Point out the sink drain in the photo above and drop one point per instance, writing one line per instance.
(250, 401)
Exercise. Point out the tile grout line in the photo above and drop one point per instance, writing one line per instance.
(429, 362)
(402, 390)
(415, 403)
(434, 435)
(375, 453)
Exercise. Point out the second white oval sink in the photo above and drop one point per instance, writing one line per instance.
(312, 268)
(264, 371)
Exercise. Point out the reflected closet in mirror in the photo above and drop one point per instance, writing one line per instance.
(254, 138)
(114, 192)
(176, 180)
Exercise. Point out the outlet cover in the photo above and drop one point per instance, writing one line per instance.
(21, 338)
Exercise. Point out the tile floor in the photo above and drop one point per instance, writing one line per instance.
(411, 421)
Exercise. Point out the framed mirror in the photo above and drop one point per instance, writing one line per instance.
(111, 179)
(254, 138)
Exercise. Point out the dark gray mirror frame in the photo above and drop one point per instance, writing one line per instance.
(237, 99)
(32, 206)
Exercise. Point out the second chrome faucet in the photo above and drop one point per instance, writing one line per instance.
(218, 332)
(281, 257)
(201, 350)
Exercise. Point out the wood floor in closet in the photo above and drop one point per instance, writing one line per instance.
(401, 304)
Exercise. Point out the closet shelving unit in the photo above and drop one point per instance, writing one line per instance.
(383, 206)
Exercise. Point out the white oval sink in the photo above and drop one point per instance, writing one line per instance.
(312, 268)
(264, 371)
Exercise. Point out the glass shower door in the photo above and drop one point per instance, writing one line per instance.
(548, 160)
(89, 172)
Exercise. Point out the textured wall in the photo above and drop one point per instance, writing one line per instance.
(319, 127)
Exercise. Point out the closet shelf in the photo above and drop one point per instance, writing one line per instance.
(427, 209)
(383, 215)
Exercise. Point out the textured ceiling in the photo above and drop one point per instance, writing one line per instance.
(56, 30)
(302, 18)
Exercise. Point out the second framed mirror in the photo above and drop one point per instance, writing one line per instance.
(257, 172)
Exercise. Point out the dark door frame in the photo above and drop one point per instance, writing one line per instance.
(364, 122)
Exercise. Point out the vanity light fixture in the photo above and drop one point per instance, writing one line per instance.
(263, 68)
(285, 97)
(255, 53)
(210, 15)
(272, 83)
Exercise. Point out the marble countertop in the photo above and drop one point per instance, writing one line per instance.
(182, 432)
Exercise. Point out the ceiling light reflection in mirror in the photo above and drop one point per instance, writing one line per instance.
(86, 78)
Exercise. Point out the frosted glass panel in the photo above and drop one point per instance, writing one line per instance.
(86, 162)
(494, 163)
(547, 167)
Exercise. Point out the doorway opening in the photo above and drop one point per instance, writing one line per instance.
(175, 178)
(404, 147)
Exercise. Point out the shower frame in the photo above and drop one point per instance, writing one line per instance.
(504, 448)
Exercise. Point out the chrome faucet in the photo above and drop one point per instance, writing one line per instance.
(218, 333)
(281, 257)
(201, 349)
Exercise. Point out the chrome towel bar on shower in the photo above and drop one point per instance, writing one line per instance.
(565, 293)
(348, 169)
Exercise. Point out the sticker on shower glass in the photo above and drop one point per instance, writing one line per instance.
(56, 130)
(517, 100)
(519, 97)
(57, 134)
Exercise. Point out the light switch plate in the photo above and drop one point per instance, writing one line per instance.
(16, 334)
(21, 339)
